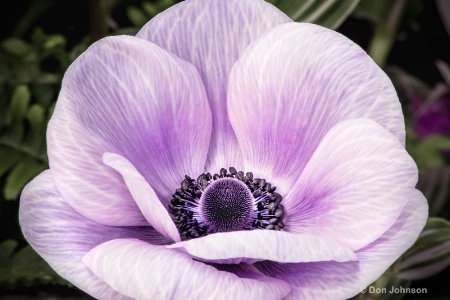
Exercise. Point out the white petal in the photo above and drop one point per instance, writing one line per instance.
(291, 86)
(212, 36)
(353, 187)
(127, 96)
(143, 271)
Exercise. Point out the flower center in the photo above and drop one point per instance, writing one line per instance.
(225, 202)
(226, 205)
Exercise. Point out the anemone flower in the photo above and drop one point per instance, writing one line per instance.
(225, 152)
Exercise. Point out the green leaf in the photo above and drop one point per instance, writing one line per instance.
(36, 115)
(373, 11)
(376, 11)
(35, 140)
(136, 16)
(6, 251)
(24, 268)
(429, 255)
(46, 93)
(54, 41)
(328, 13)
(428, 152)
(16, 47)
(46, 78)
(8, 158)
(17, 110)
(150, 8)
(25, 70)
(389, 18)
(22, 173)
(19, 102)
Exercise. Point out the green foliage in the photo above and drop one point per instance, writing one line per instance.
(328, 13)
(25, 63)
(137, 16)
(388, 17)
(16, 47)
(30, 78)
(427, 152)
(22, 152)
(377, 11)
(147, 10)
(429, 255)
(24, 268)
(31, 72)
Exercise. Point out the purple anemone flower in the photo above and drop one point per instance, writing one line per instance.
(225, 152)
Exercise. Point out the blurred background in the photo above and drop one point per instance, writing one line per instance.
(39, 39)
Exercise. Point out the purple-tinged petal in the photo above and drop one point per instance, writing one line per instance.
(257, 245)
(332, 280)
(353, 187)
(127, 96)
(144, 271)
(62, 236)
(145, 197)
(294, 84)
(212, 35)
(249, 271)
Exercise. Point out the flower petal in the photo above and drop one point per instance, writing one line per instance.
(145, 197)
(256, 245)
(143, 271)
(332, 280)
(212, 35)
(127, 96)
(352, 189)
(294, 84)
(62, 236)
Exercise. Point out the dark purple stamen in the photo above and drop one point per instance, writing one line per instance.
(225, 202)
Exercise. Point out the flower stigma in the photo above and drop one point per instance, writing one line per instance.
(225, 202)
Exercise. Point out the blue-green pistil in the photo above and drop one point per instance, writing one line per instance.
(225, 202)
